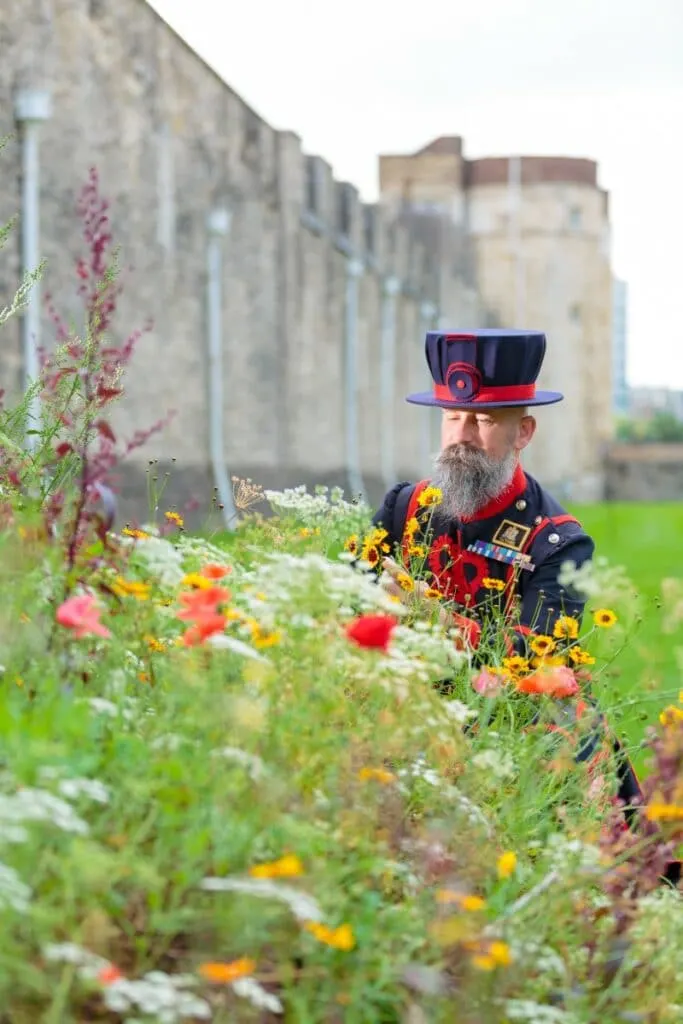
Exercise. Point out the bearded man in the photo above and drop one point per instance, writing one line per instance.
(482, 532)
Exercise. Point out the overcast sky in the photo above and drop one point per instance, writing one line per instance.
(594, 78)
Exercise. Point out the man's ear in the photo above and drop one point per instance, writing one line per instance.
(527, 429)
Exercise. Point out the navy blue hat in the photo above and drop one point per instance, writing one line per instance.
(484, 369)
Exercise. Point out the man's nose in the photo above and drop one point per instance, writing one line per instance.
(462, 431)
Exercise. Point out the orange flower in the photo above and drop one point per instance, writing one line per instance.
(215, 572)
(203, 627)
(376, 774)
(226, 973)
(200, 603)
(108, 975)
(558, 681)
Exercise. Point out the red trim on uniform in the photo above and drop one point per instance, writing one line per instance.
(548, 521)
(460, 337)
(516, 487)
(505, 393)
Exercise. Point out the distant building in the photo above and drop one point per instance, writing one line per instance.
(644, 402)
(536, 230)
(620, 392)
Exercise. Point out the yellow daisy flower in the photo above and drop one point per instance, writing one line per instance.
(516, 665)
(542, 645)
(430, 496)
(411, 527)
(566, 628)
(604, 618)
(507, 862)
(489, 583)
(580, 657)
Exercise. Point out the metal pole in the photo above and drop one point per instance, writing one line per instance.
(387, 381)
(515, 229)
(428, 320)
(354, 270)
(218, 225)
(31, 107)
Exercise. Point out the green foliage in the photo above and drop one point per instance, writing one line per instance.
(661, 426)
(217, 802)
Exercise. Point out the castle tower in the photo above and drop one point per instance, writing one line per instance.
(538, 230)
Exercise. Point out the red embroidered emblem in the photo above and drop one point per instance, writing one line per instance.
(458, 575)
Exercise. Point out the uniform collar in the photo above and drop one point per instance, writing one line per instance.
(516, 487)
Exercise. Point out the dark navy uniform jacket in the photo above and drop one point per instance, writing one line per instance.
(524, 523)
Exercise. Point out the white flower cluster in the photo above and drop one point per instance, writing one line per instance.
(597, 579)
(313, 508)
(302, 906)
(288, 578)
(201, 551)
(249, 988)
(75, 788)
(567, 855)
(537, 1013)
(163, 561)
(540, 958)
(424, 650)
(419, 770)
(495, 761)
(38, 805)
(13, 892)
(163, 995)
(253, 764)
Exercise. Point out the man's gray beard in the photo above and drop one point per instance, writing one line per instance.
(469, 478)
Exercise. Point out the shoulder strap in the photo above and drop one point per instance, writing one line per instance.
(547, 521)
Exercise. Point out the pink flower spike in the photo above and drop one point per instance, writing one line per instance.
(487, 684)
(81, 615)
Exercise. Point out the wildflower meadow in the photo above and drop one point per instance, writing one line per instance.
(242, 780)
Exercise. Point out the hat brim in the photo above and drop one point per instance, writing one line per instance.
(540, 398)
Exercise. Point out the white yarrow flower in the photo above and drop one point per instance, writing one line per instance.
(303, 906)
(13, 892)
(249, 988)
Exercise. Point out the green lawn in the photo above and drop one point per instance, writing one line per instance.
(647, 540)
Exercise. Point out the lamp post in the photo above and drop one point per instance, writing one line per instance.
(428, 321)
(387, 378)
(218, 226)
(31, 108)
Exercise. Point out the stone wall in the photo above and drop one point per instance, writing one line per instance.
(171, 142)
(644, 472)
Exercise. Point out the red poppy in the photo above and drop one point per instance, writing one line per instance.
(203, 627)
(557, 682)
(199, 603)
(372, 631)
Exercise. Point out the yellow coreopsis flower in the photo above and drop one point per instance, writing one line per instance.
(507, 862)
(542, 645)
(430, 496)
(377, 775)
(604, 618)
(338, 938)
(566, 628)
(131, 588)
(288, 866)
